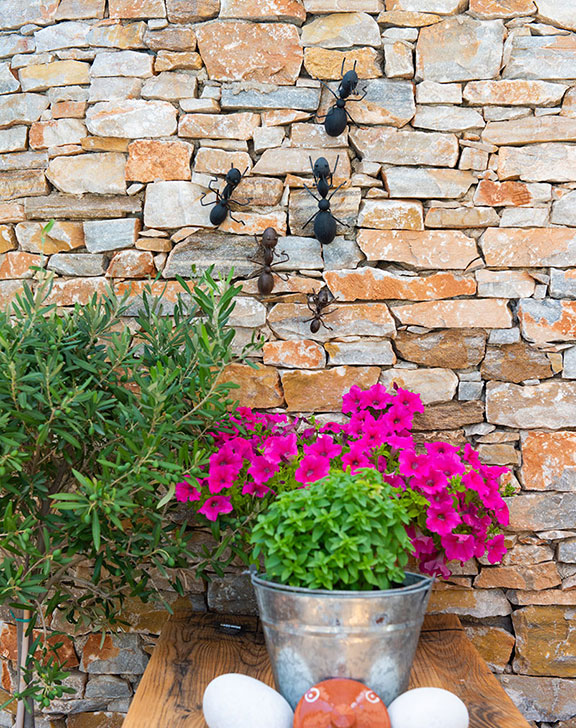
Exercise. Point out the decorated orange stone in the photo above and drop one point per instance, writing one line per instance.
(340, 703)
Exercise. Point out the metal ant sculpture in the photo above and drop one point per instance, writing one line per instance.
(337, 117)
(223, 199)
(324, 220)
(317, 302)
(268, 248)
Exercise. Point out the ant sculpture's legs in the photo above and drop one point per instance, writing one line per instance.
(212, 181)
(363, 96)
(206, 204)
(311, 193)
(310, 220)
(234, 219)
(329, 89)
(340, 222)
(284, 260)
(335, 190)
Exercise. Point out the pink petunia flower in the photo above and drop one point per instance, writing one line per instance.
(442, 520)
(412, 464)
(430, 481)
(398, 418)
(312, 468)
(259, 490)
(441, 448)
(227, 456)
(376, 397)
(435, 566)
(352, 400)
(186, 492)
(458, 546)
(496, 549)
(355, 459)
(410, 400)
(216, 506)
(262, 469)
(220, 477)
(324, 447)
(281, 448)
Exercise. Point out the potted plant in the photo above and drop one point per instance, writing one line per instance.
(96, 423)
(333, 511)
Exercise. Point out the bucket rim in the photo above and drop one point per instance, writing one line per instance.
(422, 583)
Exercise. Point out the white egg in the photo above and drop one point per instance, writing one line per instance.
(239, 701)
(428, 708)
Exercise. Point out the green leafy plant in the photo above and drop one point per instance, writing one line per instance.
(98, 419)
(344, 532)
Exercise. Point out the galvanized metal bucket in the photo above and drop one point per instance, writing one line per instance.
(313, 635)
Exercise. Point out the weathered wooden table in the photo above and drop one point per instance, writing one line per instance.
(193, 649)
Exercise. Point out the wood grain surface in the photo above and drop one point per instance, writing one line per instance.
(193, 649)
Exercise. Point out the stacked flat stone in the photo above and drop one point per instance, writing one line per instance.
(456, 277)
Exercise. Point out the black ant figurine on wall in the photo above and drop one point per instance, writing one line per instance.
(337, 117)
(317, 302)
(223, 199)
(268, 248)
(324, 220)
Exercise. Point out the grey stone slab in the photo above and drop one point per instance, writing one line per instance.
(21, 108)
(126, 657)
(570, 363)
(303, 253)
(80, 208)
(283, 97)
(107, 686)
(77, 264)
(232, 594)
(342, 253)
(104, 235)
(378, 352)
(203, 249)
(564, 210)
(542, 57)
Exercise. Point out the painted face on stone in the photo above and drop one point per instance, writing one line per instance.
(340, 703)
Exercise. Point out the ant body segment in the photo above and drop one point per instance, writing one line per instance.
(221, 206)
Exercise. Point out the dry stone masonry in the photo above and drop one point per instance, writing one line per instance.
(456, 275)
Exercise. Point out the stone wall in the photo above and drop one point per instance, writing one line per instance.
(456, 276)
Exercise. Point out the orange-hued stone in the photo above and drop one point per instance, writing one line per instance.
(375, 284)
(150, 160)
(408, 19)
(492, 313)
(545, 641)
(340, 703)
(391, 215)
(529, 247)
(69, 110)
(452, 348)
(547, 320)
(303, 354)
(131, 264)
(327, 64)
(494, 644)
(75, 290)
(65, 654)
(280, 117)
(259, 388)
(7, 238)
(16, 265)
(265, 191)
(177, 61)
(490, 9)
(63, 237)
(514, 92)
(96, 720)
(215, 126)
(218, 161)
(428, 249)
(516, 363)
(526, 576)
(310, 391)
(500, 194)
(291, 11)
(254, 223)
(549, 460)
(137, 9)
(244, 51)
(11, 212)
